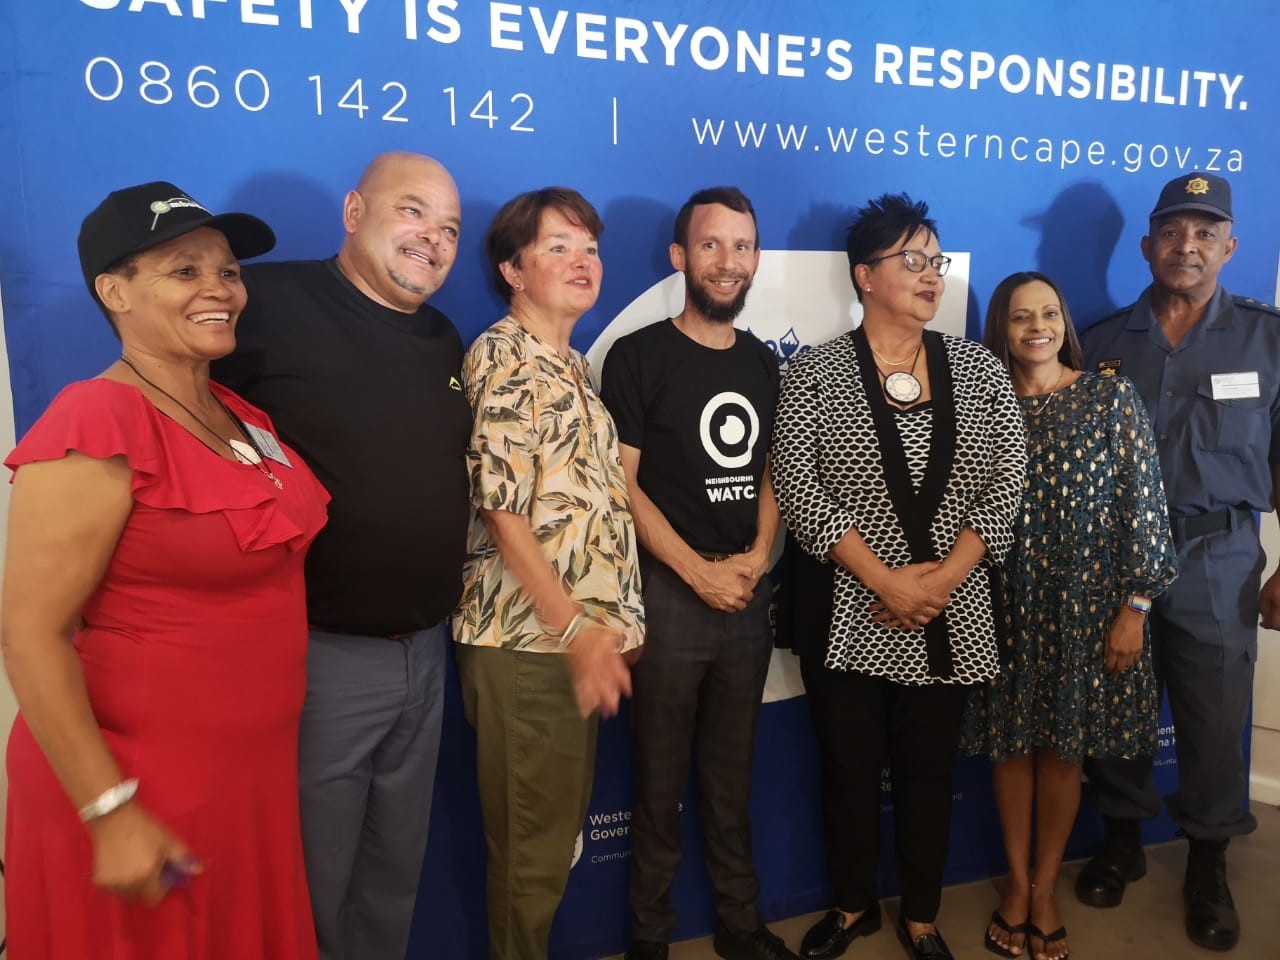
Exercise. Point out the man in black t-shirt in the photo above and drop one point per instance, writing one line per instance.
(362, 378)
(693, 399)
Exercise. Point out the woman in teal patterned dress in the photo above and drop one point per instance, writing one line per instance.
(1091, 548)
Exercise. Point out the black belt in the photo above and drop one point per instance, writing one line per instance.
(389, 636)
(1202, 524)
(715, 557)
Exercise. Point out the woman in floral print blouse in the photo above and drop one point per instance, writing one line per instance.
(551, 578)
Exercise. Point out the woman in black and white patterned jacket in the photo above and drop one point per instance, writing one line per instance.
(898, 461)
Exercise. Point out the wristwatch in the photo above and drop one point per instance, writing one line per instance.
(1140, 604)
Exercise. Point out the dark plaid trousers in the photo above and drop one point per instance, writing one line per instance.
(697, 685)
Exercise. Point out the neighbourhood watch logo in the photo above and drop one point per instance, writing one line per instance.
(729, 428)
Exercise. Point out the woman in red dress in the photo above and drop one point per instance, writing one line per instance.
(154, 625)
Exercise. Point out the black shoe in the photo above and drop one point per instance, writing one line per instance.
(1119, 861)
(1212, 922)
(830, 937)
(647, 950)
(757, 944)
(927, 946)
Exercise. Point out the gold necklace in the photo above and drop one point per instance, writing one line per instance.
(902, 387)
(894, 363)
(1044, 404)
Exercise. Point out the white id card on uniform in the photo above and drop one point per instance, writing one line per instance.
(271, 448)
(1235, 386)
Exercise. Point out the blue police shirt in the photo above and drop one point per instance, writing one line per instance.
(1217, 433)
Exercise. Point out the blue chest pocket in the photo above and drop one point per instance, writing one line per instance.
(1234, 427)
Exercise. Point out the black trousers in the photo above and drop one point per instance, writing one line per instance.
(697, 686)
(860, 721)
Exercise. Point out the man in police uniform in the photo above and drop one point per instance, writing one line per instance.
(1208, 368)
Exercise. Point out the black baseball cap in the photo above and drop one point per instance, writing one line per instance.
(1202, 192)
(138, 218)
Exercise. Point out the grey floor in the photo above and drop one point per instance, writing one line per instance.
(1147, 925)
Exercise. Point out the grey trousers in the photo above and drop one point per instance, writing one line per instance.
(367, 751)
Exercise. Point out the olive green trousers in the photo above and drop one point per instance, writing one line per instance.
(535, 759)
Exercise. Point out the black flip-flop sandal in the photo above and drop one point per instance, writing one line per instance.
(992, 944)
(1046, 938)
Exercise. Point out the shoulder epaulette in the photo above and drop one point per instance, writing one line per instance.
(1260, 305)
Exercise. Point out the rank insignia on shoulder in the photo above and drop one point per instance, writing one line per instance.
(1260, 305)
(1108, 368)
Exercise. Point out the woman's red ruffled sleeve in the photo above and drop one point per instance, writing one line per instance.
(100, 419)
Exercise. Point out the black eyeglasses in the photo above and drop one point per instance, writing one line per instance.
(917, 260)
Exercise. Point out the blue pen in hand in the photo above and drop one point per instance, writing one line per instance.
(178, 875)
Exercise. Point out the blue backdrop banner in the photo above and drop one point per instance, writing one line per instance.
(1040, 135)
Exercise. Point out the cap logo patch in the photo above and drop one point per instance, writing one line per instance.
(1197, 186)
(159, 207)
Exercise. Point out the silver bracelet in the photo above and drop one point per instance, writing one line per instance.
(574, 628)
(109, 800)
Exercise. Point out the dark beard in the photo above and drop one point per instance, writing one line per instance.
(715, 310)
